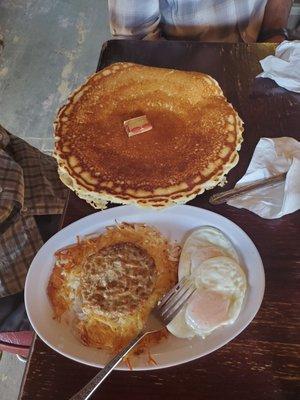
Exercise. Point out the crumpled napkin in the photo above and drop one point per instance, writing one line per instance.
(272, 157)
(284, 67)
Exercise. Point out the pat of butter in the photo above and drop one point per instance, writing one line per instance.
(135, 126)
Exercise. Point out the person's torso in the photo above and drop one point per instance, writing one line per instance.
(212, 20)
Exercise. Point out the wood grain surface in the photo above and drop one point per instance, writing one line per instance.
(262, 363)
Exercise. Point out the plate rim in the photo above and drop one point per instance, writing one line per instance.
(129, 210)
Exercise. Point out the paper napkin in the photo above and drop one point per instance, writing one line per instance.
(284, 67)
(272, 157)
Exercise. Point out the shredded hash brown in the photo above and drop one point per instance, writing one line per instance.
(109, 283)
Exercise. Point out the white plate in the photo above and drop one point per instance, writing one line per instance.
(175, 223)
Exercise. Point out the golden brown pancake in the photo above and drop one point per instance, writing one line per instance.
(193, 143)
(107, 285)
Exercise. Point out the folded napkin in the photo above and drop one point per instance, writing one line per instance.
(272, 157)
(284, 67)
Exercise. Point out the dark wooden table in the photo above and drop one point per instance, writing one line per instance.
(263, 361)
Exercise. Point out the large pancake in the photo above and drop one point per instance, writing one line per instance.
(193, 144)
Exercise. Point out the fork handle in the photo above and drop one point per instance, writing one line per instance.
(93, 384)
(222, 197)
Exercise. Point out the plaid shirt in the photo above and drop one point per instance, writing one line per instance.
(205, 20)
(29, 186)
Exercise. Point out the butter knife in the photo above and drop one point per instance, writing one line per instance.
(223, 197)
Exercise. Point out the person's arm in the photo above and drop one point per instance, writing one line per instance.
(275, 19)
(134, 19)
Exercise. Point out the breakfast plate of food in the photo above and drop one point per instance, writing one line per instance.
(91, 287)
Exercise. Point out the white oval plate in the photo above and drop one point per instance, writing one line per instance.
(175, 223)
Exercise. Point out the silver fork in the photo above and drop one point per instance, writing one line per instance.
(167, 308)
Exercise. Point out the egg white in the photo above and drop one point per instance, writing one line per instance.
(224, 276)
(210, 259)
(204, 243)
(179, 328)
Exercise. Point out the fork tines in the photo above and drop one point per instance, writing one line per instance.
(175, 299)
